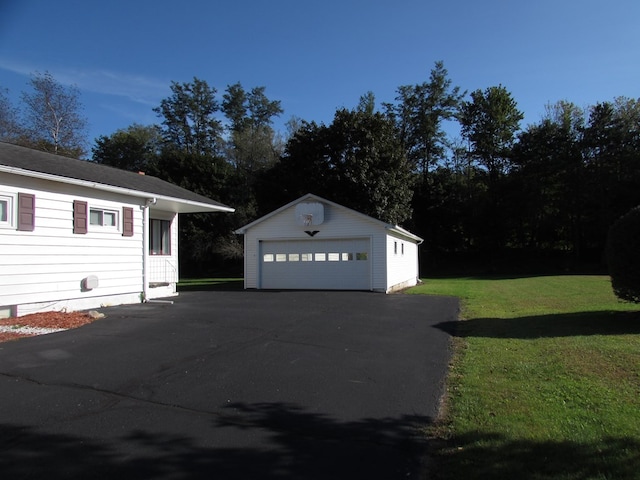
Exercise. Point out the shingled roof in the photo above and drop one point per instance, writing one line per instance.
(28, 162)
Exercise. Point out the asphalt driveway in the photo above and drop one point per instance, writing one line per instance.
(229, 385)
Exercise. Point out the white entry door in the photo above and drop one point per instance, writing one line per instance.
(338, 264)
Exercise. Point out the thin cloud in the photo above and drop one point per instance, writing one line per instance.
(136, 88)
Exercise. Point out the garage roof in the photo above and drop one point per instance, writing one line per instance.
(310, 196)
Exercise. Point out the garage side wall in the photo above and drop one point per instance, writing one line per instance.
(338, 224)
(402, 263)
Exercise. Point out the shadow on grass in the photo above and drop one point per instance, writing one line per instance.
(547, 326)
(211, 284)
(297, 444)
(488, 456)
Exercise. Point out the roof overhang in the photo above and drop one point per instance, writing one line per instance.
(172, 204)
(404, 233)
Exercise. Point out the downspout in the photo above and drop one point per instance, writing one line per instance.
(145, 252)
(145, 248)
(418, 261)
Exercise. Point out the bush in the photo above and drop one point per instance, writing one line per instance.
(623, 256)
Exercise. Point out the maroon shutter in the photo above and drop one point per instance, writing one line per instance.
(26, 212)
(127, 222)
(80, 216)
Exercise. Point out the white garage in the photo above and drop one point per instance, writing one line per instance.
(315, 244)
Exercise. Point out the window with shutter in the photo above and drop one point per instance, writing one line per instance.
(80, 216)
(26, 212)
(127, 222)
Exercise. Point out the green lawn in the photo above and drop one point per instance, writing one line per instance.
(545, 381)
(199, 284)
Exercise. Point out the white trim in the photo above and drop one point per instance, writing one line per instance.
(10, 222)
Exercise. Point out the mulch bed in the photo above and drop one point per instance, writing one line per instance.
(65, 320)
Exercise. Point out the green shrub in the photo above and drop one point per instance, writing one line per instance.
(623, 256)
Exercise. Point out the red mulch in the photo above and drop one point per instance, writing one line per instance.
(44, 320)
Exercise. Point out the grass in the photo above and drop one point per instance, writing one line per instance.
(544, 383)
(200, 284)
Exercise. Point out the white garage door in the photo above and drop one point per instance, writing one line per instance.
(341, 264)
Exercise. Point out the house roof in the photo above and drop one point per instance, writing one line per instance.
(34, 163)
(310, 196)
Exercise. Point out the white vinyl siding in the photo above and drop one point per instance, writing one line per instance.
(47, 265)
(402, 262)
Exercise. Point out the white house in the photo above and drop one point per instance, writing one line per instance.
(313, 243)
(78, 235)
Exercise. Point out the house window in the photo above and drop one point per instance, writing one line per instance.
(6, 209)
(159, 237)
(395, 248)
(402, 248)
(103, 218)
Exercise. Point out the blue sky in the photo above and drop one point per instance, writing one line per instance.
(317, 56)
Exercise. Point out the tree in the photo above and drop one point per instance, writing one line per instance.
(611, 152)
(135, 148)
(623, 256)
(9, 119)
(252, 145)
(188, 118)
(549, 173)
(53, 120)
(357, 161)
(489, 122)
(251, 148)
(419, 115)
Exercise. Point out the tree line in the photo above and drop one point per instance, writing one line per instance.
(498, 196)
